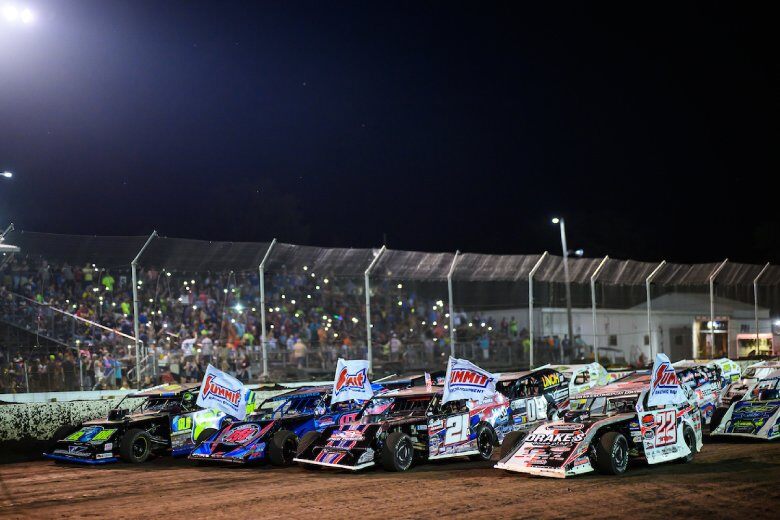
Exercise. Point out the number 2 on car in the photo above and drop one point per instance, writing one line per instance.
(457, 429)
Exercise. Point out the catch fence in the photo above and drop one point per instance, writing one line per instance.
(290, 311)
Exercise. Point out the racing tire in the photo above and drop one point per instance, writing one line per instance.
(690, 439)
(511, 441)
(136, 446)
(205, 435)
(484, 444)
(717, 417)
(397, 452)
(612, 453)
(306, 441)
(283, 448)
(60, 434)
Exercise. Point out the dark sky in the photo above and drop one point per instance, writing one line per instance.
(651, 129)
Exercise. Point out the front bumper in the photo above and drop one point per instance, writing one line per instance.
(80, 460)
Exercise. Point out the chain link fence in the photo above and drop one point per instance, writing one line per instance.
(67, 307)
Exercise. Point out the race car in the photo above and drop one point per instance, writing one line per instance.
(705, 383)
(604, 428)
(167, 421)
(400, 427)
(736, 390)
(757, 414)
(729, 370)
(583, 377)
(534, 397)
(272, 433)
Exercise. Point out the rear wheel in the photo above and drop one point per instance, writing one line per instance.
(717, 417)
(612, 453)
(484, 443)
(60, 434)
(398, 452)
(284, 445)
(690, 440)
(136, 446)
(306, 442)
(511, 441)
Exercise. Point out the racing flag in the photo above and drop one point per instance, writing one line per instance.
(664, 384)
(351, 381)
(465, 380)
(220, 391)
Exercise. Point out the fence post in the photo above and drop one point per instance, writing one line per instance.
(452, 314)
(712, 307)
(368, 310)
(531, 307)
(593, 307)
(134, 267)
(649, 307)
(261, 271)
(755, 306)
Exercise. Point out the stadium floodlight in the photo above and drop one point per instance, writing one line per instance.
(7, 174)
(13, 14)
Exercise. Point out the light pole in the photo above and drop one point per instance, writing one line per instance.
(565, 248)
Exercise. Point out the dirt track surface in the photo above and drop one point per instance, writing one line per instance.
(731, 480)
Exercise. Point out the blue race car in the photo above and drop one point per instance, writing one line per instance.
(273, 431)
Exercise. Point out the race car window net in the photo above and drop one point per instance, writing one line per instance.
(766, 389)
(604, 405)
(384, 407)
(529, 387)
(295, 406)
(159, 405)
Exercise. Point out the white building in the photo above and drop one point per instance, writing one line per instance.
(680, 324)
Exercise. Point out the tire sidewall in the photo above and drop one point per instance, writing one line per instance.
(276, 451)
(619, 466)
(129, 440)
(403, 465)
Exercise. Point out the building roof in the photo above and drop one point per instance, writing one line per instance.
(699, 303)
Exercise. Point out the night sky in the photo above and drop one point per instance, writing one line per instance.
(651, 129)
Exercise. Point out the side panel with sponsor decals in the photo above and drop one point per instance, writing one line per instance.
(662, 435)
(452, 435)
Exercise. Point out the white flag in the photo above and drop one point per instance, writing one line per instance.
(351, 381)
(664, 383)
(220, 391)
(465, 380)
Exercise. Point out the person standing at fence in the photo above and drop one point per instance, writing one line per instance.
(484, 345)
(206, 347)
(299, 354)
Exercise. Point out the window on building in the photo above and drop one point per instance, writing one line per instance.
(613, 340)
(647, 339)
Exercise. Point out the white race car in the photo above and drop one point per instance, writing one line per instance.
(605, 427)
(757, 414)
(734, 391)
(583, 377)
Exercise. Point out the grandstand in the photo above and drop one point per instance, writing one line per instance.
(67, 318)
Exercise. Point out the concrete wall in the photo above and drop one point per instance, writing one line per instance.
(39, 421)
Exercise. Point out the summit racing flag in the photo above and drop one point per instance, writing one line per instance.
(219, 391)
(664, 384)
(465, 380)
(351, 381)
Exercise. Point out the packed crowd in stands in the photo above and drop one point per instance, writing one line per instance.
(189, 320)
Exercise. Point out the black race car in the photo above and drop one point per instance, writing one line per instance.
(396, 428)
(167, 421)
